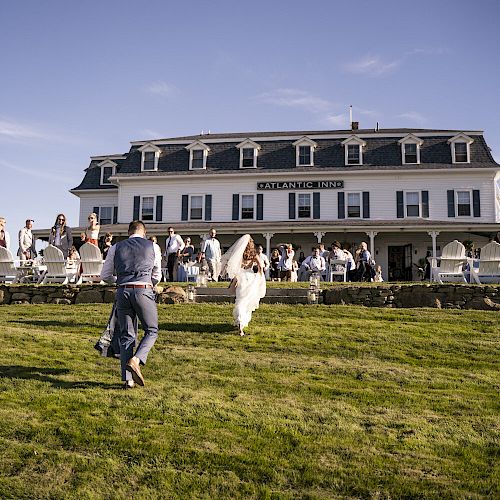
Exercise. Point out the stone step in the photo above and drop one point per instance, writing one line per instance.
(273, 295)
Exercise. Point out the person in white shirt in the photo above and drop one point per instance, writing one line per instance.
(286, 261)
(26, 249)
(4, 235)
(213, 254)
(173, 247)
(315, 263)
(264, 261)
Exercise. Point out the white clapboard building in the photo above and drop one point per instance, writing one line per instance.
(403, 191)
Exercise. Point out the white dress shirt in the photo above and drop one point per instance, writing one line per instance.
(314, 263)
(108, 268)
(173, 244)
(211, 248)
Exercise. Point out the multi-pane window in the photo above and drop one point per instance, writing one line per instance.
(463, 203)
(411, 153)
(353, 155)
(353, 205)
(198, 157)
(248, 158)
(304, 155)
(412, 204)
(105, 215)
(107, 172)
(461, 152)
(196, 208)
(147, 210)
(149, 160)
(304, 206)
(247, 206)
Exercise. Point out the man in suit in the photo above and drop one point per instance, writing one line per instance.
(136, 263)
(26, 249)
(173, 247)
(213, 254)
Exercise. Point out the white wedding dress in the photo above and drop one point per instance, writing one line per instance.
(250, 286)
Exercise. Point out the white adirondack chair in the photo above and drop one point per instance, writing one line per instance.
(56, 271)
(489, 264)
(91, 263)
(342, 272)
(8, 271)
(451, 263)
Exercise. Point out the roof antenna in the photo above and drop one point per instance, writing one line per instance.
(376, 129)
(350, 114)
(201, 133)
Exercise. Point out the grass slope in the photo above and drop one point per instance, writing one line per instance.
(317, 402)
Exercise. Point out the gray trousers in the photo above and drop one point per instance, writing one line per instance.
(132, 303)
(214, 268)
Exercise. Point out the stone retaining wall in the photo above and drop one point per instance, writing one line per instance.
(449, 296)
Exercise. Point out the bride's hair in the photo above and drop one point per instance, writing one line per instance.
(250, 252)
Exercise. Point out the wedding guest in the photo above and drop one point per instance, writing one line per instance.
(286, 261)
(363, 262)
(211, 248)
(201, 263)
(60, 235)
(302, 258)
(26, 242)
(274, 272)
(4, 235)
(107, 244)
(264, 261)
(351, 265)
(173, 247)
(378, 275)
(92, 230)
(80, 241)
(315, 263)
(294, 277)
(73, 254)
(188, 254)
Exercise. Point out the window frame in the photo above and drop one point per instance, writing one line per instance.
(405, 203)
(150, 148)
(410, 139)
(471, 208)
(192, 159)
(112, 208)
(297, 208)
(460, 138)
(304, 142)
(190, 207)
(350, 141)
(242, 157)
(141, 208)
(254, 206)
(454, 152)
(346, 199)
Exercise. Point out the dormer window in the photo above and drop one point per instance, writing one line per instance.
(304, 152)
(198, 153)
(410, 149)
(108, 168)
(353, 150)
(248, 153)
(460, 148)
(150, 157)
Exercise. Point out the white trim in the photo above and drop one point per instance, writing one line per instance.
(202, 196)
(460, 138)
(248, 144)
(405, 204)
(149, 148)
(410, 139)
(312, 136)
(141, 207)
(106, 157)
(310, 194)
(254, 206)
(197, 146)
(346, 204)
(353, 139)
(304, 141)
(106, 164)
(471, 202)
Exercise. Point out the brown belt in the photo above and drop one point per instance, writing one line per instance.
(135, 286)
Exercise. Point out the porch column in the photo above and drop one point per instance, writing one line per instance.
(268, 237)
(372, 235)
(433, 263)
(319, 236)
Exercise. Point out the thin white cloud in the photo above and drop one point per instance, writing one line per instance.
(151, 134)
(430, 51)
(52, 176)
(372, 65)
(162, 89)
(340, 121)
(413, 116)
(295, 98)
(10, 130)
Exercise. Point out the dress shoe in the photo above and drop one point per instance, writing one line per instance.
(129, 384)
(135, 370)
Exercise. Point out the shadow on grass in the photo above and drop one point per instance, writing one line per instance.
(198, 327)
(44, 323)
(50, 375)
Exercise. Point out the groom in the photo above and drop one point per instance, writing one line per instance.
(136, 262)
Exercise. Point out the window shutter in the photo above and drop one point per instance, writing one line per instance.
(291, 205)
(260, 206)
(208, 207)
(400, 208)
(341, 204)
(185, 201)
(425, 203)
(451, 203)
(159, 208)
(236, 206)
(137, 204)
(96, 211)
(115, 215)
(366, 205)
(476, 203)
(316, 205)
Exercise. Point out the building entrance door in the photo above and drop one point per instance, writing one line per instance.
(400, 264)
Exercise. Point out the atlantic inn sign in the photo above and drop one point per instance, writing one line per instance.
(264, 186)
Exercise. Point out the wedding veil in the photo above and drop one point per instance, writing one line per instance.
(231, 260)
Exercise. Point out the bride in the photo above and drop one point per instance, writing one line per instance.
(243, 267)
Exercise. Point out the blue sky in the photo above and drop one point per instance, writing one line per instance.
(85, 78)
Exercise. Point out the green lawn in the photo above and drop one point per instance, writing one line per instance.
(317, 402)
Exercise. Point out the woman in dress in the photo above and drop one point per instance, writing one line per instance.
(92, 230)
(274, 272)
(60, 235)
(243, 267)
